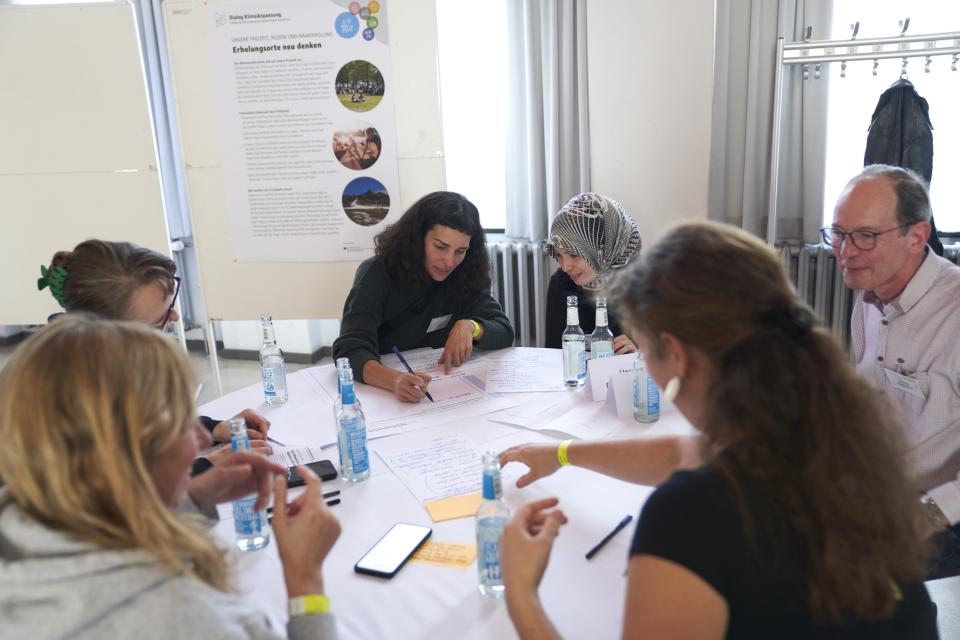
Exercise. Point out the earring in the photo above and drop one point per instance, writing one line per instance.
(672, 389)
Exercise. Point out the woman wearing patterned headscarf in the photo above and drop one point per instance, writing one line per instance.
(590, 237)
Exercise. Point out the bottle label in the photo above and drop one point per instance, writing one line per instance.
(574, 361)
(601, 349)
(269, 388)
(355, 436)
(246, 521)
(573, 316)
(490, 559)
(653, 397)
(601, 317)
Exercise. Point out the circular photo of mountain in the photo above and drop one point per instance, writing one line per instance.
(366, 201)
(359, 86)
(356, 145)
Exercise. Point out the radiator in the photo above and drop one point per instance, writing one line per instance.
(812, 269)
(520, 274)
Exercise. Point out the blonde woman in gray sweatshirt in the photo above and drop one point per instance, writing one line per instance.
(99, 431)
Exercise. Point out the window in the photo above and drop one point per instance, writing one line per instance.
(852, 99)
(472, 46)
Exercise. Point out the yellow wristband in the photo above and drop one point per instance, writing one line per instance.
(302, 605)
(476, 329)
(562, 453)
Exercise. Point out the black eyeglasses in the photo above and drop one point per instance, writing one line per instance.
(173, 303)
(861, 238)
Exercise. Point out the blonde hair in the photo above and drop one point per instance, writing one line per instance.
(86, 406)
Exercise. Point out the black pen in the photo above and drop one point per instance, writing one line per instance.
(404, 362)
(277, 442)
(607, 538)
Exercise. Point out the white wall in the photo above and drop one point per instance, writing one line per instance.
(651, 82)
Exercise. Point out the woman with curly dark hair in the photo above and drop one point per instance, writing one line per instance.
(428, 285)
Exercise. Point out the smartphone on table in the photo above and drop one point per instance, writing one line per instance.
(323, 468)
(393, 550)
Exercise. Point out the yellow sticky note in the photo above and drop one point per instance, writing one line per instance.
(445, 554)
(452, 508)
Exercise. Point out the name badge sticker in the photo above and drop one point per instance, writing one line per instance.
(439, 323)
(904, 383)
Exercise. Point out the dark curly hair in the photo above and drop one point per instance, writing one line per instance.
(400, 246)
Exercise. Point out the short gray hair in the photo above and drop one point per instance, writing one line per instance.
(913, 196)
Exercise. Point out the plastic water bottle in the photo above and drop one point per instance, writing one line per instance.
(351, 433)
(574, 347)
(271, 364)
(601, 340)
(492, 517)
(250, 525)
(342, 363)
(646, 394)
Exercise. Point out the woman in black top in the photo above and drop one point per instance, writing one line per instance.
(799, 521)
(428, 285)
(590, 237)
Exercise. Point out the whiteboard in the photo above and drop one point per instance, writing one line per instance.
(77, 158)
(243, 290)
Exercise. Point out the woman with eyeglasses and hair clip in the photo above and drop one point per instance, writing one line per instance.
(591, 237)
(124, 281)
(427, 285)
(796, 520)
(97, 534)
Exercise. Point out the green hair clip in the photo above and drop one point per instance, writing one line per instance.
(54, 278)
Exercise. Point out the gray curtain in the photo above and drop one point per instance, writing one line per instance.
(744, 67)
(547, 132)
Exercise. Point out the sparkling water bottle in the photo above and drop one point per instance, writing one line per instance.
(271, 364)
(601, 340)
(574, 347)
(250, 525)
(646, 394)
(492, 517)
(351, 433)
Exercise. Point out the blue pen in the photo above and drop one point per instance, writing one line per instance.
(404, 362)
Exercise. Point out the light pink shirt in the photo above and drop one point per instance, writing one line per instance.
(918, 335)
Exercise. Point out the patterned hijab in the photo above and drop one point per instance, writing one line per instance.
(598, 229)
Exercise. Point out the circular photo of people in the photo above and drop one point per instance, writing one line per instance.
(359, 86)
(366, 201)
(356, 145)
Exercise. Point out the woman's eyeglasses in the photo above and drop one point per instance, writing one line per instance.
(173, 303)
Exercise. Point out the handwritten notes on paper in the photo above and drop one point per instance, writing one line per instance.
(438, 467)
(445, 554)
(525, 369)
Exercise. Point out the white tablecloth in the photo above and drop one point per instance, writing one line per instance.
(584, 598)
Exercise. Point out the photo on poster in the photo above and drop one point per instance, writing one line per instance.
(356, 145)
(359, 86)
(366, 201)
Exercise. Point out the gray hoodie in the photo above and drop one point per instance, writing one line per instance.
(54, 586)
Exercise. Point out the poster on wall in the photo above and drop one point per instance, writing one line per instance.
(306, 122)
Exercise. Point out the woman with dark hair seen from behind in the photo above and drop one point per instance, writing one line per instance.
(799, 521)
(124, 281)
(96, 537)
(591, 237)
(428, 285)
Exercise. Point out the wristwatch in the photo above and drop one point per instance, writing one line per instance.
(933, 513)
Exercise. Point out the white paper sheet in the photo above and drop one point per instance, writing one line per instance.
(599, 371)
(306, 419)
(434, 463)
(524, 369)
(290, 457)
(455, 398)
(564, 414)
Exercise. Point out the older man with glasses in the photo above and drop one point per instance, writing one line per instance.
(905, 332)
